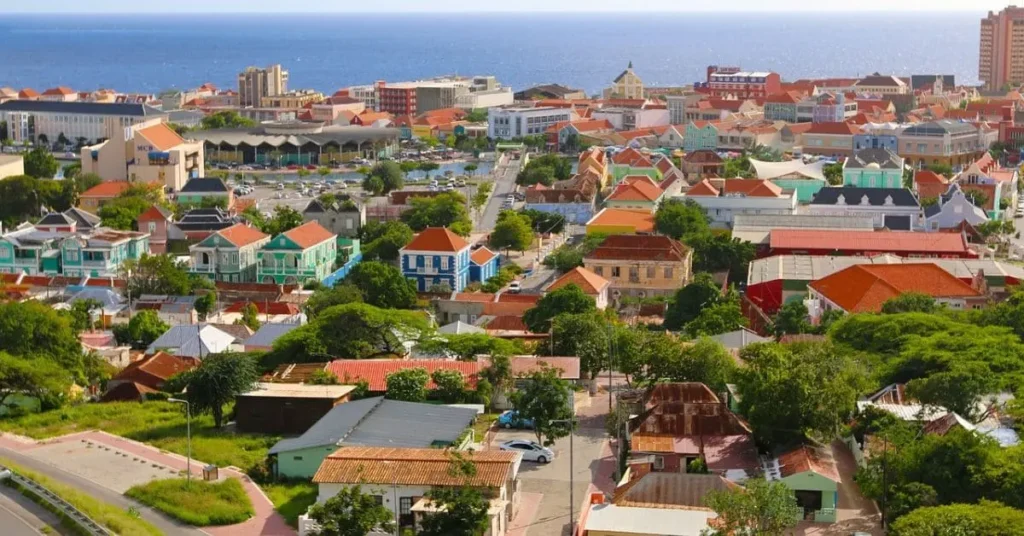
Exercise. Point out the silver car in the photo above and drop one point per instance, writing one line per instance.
(532, 452)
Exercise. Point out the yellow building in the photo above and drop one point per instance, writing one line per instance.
(11, 165)
(149, 152)
(626, 86)
(641, 265)
(293, 99)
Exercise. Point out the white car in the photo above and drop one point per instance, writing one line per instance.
(532, 452)
(515, 287)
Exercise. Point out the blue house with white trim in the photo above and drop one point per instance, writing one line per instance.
(483, 265)
(436, 256)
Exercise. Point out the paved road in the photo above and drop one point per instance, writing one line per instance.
(504, 183)
(98, 492)
(19, 516)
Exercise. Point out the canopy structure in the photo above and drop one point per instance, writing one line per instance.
(792, 169)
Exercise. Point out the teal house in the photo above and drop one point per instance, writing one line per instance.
(630, 161)
(229, 255)
(812, 474)
(305, 253)
(371, 422)
(700, 135)
(873, 168)
(804, 180)
(30, 251)
(101, 253)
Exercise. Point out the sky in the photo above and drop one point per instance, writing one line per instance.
(977, 7)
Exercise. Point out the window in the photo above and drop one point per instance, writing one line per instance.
(297, 458)
(404, 505)
(152, 227)
(616, 271)
(444, 263)
(379, 499)
(599, 270)
(668, 272)
(659, 463)
(651, 272)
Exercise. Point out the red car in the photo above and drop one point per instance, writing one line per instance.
(293, 167)
(311, 167)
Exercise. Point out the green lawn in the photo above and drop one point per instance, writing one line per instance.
(292, 498)
(111, 517)
(482, 424)
(197, 503)
(161, 424)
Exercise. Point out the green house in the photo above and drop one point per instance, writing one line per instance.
(305, 253)
(873, 168)
(805, 188)
(229, 254)
(812, 474)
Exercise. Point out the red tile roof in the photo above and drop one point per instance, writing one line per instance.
(414, 467)
(476, 297)
(636, 188)
(632, 158)
(640, 248)
(241, 235)
(28, 93)
(106, 189)
(126, 392)
(482, 256)
(863, 288)
(153, 370)
(786, 97)
(893, 241)
(437, 239)
(155, 213)
(161, 136)
(309, 234)
(747, 187)
(59, 90)
(376, 371)
(642, 221)
(265, 307)
(807, 458)
(506, 323)
(838, 129)
(732, 105)
(588, 281)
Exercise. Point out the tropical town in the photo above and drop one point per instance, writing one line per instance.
(745, 305)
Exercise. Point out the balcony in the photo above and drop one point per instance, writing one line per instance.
(427, 270)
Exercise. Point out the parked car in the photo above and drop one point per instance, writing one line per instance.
(515, 287)
(532, 452)
(511, 419)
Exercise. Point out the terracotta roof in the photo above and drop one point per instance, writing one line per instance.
(588, 281)
(414, 467)
(437, 239)
(28, 93)
(839, 129)
(265, 307)
(504, 308)
(732, 105)
(671, 490)
(807, 458)
(126, 392)
(376, 371)
(642, 221)
(640, 248)
(154, 370)
(747, 187)
(636, 188)
(506, 323)
(631, 157)
(155, 213)
(786, 97)
(241, 235)
(865, 287)
(477, 297)
(369, 117)
(59, 90)
(893, 242)
(309, 234)
(926, 176)
(163, 137)
(568, 367)
(681, 392)
(106, 189)
(482, 256)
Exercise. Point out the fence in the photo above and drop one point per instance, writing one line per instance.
(70, 512)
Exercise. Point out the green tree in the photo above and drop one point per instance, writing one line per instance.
(144, 328)
(250, 317)
(476, 115)
(466, 346)
(156, 274)
(451, 386)
(584, 335)
(351, 513)
(977, 198)
(383, 241)
(706, 361)
(690, 300)
(427, 167)
(86, 181)
(833, 173)
(942, 169)
(471, 168)
(225, 119)
(717, 252)
(738, 168)
(544, 222)
(530, 176)
(20, 200)
(443, 210)
(284, 219)
(330, 296)
(383, 178)
(40, 163)
(568, 299)
(716, 319)
(36, 377)
(33, 329)
(460, 510)
(681, 219)
(792, 319)
(217, 380)
(71, 171)
(760, 507)
(512, 231)
(204, 305)
(987, 518)
(482, 195)
(81, 314)
(383, 285)
(409, 385)
(910, 302)
(123, 212)
(545, 399)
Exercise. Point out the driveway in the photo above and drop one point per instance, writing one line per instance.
(855, 513)
(504, 183)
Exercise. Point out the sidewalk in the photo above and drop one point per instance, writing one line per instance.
(265, 522)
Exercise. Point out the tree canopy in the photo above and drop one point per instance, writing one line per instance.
(217, 380)
(383, 178)
(512, 231)
(689, 301)
(144, 328)
(156, 274)
(351, 513)
(545, 398)
(325, 297)
(443, 210)
(382, 285)
(987, 518)
(40, 163)
(225, 119)
(568, 299)
(760, 507)
(545, 169)
(383, 241)
(408, 385)
(681, 219)
(31, 329)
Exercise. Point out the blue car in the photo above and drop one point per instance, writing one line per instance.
(511, 419)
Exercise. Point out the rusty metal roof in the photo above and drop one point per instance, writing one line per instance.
(670, 490)
(415, 467)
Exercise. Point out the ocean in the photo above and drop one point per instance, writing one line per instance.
(150, 53)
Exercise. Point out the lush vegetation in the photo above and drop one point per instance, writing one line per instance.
(443, 210)
(712, 251)
(382, 241)
(197, 503)
(545, 170)
(352, 513)
(291, 498)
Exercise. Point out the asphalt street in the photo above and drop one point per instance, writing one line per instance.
(504, 184)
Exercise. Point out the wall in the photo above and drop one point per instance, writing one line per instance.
(805, 189)
(644, 282)
(11, 165)
(311, 458)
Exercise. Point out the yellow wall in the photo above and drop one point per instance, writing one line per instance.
(11, 165)
(611, 229)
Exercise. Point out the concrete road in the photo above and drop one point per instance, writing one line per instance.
(19, 516)
(100, 493)
(504, 184)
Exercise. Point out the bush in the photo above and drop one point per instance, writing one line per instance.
(198, 503)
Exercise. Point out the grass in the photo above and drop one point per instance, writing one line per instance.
(111, 517)
(161, 424)
(483, 424)
(198, 503)
(291, 498)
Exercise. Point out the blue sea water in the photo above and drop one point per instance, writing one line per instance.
(149, 53)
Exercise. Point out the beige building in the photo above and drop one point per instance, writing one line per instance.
(38, 120)
(11, 165)
(254, 84)
(878, 84)
(1001, 51)
(626, 86)
(642, 266)
(293, 99)
(149, 152)
(7, 94)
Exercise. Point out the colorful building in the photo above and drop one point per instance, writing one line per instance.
(700, 136)
(638, 192)
(873, 168)
(722, 199)
(864, 288)
(94, 198)
(641, 265)
(830, 139)
(812, 474)
(65, 249)
(229, 254)
(305, 253)
(483, 264)
(630, 161)
(997, 184)
(437, 256)
(940, 142)
(150, 152)
(613, 221)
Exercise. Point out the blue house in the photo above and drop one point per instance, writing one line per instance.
(875, 141)
(436, 256)
(483, 265)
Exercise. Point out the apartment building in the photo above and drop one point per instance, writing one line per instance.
(255, 83)
(641, 266)
(51, 121)
(147, 152)
(940, 142)
(229, 254)
(518, 121)
(57, 245)
(1001, 49)
(732, 83)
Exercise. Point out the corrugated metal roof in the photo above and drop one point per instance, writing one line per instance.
(415, 467)
(268, 333)
(670, 490)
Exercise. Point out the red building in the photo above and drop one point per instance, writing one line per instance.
(730, 82)
(869, 243)
(397, 100)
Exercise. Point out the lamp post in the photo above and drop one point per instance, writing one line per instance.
(188, 435)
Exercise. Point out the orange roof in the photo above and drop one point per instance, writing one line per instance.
(309, 234)
(786, 97)
(59, 90)
(414, 467)
(106, 189)
(482, 256)
(838, 129)
(241, 235)
(588, 281)
(155, 213)
(747, 187)
(28, 93)
(437, 239)
(799, 128)
(806, 458)
(375, 371)
(927, 176)
(636, 188)
(632, 158)
(477, 297)
(863, 288)
(892, 242)
(265, 307)
(642, 221)
(370, 117)
(163, 137)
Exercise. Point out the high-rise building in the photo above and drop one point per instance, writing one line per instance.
(1001, 54)
(254, 84)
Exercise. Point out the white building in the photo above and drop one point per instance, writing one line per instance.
(518, 121)
(723, 199)
(632, 118)
(488, 98)
(33, 120)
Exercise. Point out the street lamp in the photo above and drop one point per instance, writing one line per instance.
(188, 432)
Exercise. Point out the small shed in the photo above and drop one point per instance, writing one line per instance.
(286, 408)
(811, 472)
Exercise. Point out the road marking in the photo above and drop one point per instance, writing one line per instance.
(18, 517)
